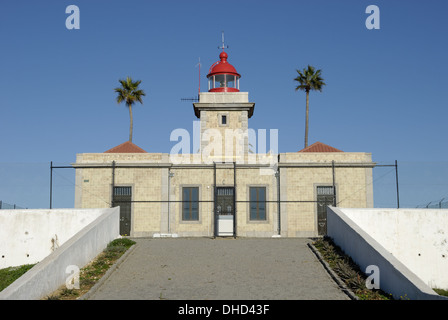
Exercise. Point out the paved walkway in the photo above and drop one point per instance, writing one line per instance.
(220, 269)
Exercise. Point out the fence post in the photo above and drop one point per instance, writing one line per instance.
(112, 204)
(334, 184)
(51, 182)
(396, 179)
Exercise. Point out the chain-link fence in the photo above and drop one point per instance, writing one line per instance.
(27, 185)
(420, 185)
(441, 204)
(4, 205)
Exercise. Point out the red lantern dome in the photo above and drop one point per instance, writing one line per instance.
(223, 77)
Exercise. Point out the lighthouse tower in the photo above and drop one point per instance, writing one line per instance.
(224, 112)
(223, 77)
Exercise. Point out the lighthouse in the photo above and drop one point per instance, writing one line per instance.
(222, 76)
(222, 188)
(224, 112)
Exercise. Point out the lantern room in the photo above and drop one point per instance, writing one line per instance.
(222, 76)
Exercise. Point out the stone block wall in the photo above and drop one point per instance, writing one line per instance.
(148, 175)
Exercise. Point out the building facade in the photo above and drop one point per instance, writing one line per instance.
(224, 189)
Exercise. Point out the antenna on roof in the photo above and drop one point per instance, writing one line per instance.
(199, 89)
(222, 39)
(199, 64)
(189, 99)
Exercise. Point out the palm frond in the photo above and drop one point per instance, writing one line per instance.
(129, 91)
(309, 79)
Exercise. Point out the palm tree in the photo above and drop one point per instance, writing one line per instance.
(309, 79)
(129, 93)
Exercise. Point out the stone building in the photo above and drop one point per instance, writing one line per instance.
(225, 189)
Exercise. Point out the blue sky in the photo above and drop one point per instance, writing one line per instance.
(386, 89)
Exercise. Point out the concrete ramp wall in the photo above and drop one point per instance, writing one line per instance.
(355, 240)
(52, 272)
(416, 237)
(28, 236)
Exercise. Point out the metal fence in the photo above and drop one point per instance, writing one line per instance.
(441, 204)
(421, 185)
(4, 205)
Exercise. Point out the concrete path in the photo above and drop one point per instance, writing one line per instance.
(220, 269)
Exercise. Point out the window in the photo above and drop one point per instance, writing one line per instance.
(257, 203)
(325, 190)
(223, 119)
(190, 203)
(220, 81)
(230, 79)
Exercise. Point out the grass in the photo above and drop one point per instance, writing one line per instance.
(11, 274)
(89, 275)
(441, 292)
(348, 271)
(92, 273)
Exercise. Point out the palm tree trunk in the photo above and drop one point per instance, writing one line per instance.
(307, 117)
(131, 123)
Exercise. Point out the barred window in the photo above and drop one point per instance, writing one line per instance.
(325, 190)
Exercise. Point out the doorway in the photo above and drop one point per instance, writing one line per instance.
(325, 198)
(122, 196)
(225, 211)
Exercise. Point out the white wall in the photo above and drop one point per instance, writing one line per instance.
(361, 234)
(50, 273)
(28, 236)
(416, 237)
